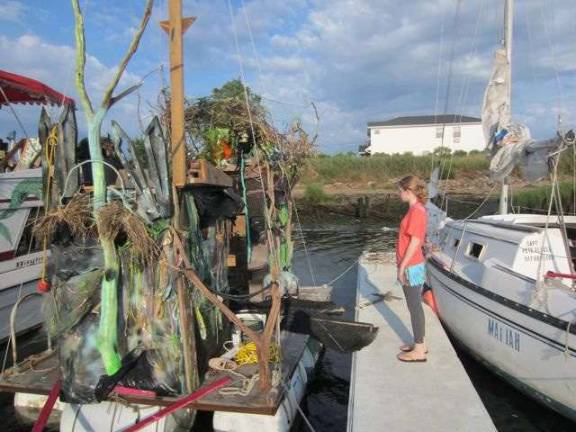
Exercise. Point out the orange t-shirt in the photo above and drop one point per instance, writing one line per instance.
(413, 224)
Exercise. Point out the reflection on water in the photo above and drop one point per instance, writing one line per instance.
(332, 249)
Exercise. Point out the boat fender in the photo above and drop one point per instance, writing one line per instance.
(43, 286)
(430, 300)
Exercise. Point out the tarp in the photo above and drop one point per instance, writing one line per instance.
(17, 89)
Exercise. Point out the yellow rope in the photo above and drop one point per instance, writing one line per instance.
(50, 153)
(247, 354)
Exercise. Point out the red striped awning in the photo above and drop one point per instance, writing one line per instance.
(17, 89)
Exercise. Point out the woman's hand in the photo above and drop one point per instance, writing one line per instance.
(401, 276)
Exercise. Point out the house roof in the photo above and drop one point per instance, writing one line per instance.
(425, 120)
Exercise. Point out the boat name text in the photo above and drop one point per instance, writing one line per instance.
(504, 334)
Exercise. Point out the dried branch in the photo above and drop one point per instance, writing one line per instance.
(107, 100)
(81, 59)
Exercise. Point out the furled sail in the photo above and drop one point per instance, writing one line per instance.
(496, 106)
(510, 144)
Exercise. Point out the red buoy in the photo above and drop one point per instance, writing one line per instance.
(428, 297)
(43, 286)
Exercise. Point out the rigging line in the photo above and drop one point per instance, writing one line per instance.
(259, 77)
(438, 81)
(449, 75)
(14, 113)
(271, 243)
(466, 82)
(552, 47)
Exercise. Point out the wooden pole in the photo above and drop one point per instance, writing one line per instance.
(175, 27)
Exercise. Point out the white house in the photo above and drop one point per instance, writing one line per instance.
(422, 134)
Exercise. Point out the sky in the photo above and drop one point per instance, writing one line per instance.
(355, 60)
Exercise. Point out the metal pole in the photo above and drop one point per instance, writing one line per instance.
(508, 35)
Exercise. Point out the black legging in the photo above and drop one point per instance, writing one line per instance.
(413, 296)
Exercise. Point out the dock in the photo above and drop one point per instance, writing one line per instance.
(389, 395)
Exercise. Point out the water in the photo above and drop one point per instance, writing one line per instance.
(332, 249)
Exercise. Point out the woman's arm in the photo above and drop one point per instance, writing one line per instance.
(413, 246)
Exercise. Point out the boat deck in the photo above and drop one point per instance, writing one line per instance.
(40, 378)
(386, 394)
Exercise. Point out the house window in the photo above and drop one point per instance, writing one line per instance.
(456, 243)
(475, 250)
(376, 131)
(439, 132)
(456, 133)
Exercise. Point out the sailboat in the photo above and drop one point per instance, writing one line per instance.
(504, 283)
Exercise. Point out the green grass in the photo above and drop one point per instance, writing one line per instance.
(347, 168)
(538, 198)
(315, 194)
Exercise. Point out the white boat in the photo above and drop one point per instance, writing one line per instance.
(488, 286)
(504, 284)
(20, 260)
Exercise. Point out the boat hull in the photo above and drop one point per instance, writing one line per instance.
(536, 357)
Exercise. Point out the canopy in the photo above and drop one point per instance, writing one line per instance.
(21, 90)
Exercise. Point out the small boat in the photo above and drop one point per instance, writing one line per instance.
(504, 284)
(21, 200)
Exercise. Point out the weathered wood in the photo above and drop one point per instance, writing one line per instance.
(175, 33)
(203, 173)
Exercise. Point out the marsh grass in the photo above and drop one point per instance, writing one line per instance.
(537, 199)
(347, 168)
(314, 194)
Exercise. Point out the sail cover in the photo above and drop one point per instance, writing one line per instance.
(18, 89)
(496, 107)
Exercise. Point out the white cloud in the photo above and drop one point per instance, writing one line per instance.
(54, 65)
(11, 10)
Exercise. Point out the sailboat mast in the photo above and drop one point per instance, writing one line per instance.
(508, 35)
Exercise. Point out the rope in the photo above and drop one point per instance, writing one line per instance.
(49, 153)
(247, 354)
(246, 215)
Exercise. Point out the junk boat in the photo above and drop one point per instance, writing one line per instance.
(21, 200)
(171, 290)
(504, 284)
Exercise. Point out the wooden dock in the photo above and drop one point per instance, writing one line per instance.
(388, 395)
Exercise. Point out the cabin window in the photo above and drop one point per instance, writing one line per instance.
(475, 250)
(439, 132)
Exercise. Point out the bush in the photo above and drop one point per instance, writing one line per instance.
(315, 194)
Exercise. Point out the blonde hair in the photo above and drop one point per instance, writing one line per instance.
(416, 185)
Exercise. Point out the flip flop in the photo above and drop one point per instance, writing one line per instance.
(410, 360)
(408, 348)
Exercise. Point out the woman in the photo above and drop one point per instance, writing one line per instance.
(410, 261)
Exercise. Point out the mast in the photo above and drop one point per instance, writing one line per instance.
(508, 35)
(175, 27)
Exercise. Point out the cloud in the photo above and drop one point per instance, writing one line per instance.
(11, 10)
(54, 65)
(374, 59)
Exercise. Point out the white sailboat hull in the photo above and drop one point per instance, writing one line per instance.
(487, 308)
